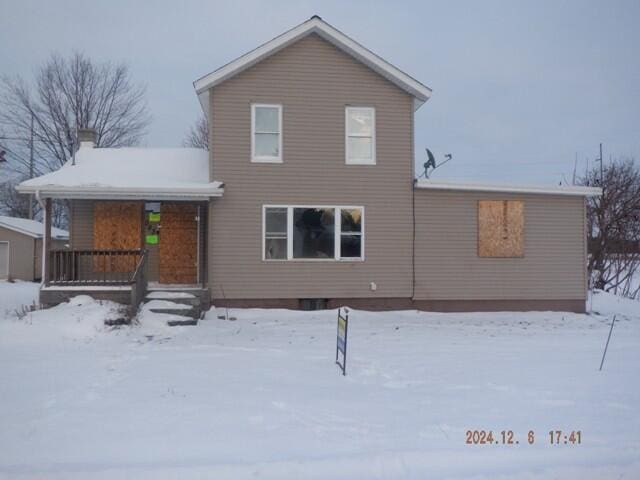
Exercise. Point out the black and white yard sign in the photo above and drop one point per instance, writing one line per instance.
(341, 341)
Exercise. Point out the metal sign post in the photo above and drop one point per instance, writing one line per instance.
(341, 342)
(607, 345)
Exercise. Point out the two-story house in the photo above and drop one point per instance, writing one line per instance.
(308, 199)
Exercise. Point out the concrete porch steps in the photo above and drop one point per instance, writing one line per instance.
(184, 298)
(182, 308)
(174, 308)
(196, 295)
(182, 321)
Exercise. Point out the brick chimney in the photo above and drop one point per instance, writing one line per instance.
(87, 137)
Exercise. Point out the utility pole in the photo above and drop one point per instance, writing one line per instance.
(31, 168)
(601, 168)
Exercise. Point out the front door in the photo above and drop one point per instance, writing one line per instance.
(178, 243)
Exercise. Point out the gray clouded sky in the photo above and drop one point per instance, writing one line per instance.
(519, 88)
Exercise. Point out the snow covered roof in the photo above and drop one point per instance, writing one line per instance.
(486, 187)
(315, 24)
(130, 173)
(32, 228)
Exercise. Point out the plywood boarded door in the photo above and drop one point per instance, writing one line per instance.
(178, 243)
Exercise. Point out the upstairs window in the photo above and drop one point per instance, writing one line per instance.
(360, 126)
(266, 133)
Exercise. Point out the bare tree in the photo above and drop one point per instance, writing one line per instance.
(613, 227)
(67, 94)
(198, 135)
(11, 202)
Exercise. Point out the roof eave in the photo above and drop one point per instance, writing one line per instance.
(31, 234)
(122, 193)
(20, 230)
(523, 189)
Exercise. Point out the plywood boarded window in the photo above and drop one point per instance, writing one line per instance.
(500, 228)
(116, 226)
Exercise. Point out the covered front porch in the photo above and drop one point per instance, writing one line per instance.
(121, 249)
(137, 221)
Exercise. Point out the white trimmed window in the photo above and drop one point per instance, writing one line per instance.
(275, 233)
(313, 233)
(266, 133)
(360, 133)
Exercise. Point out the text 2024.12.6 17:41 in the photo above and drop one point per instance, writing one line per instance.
(507, 437)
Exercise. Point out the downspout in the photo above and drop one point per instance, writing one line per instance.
(35, 247)
(44, 237)
(413, 242)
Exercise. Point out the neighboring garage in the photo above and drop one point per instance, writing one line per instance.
(21, 247)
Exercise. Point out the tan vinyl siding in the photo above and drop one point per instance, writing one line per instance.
(25, 254)
(81, 225)
(314, 82)
(448, 266)
(21, 254)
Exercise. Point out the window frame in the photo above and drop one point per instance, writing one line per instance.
(264, 232)
(265, 158)
(342, 234)
(347, 135)
(337, 233)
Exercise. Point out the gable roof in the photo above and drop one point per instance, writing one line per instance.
(32, 228)
(315, 24)
(130, 173)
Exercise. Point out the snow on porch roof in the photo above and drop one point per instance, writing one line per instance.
(33, 228)
(130, 173)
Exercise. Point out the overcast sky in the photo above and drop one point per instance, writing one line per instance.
(519, 88)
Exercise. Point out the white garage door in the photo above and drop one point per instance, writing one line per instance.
(4, 260)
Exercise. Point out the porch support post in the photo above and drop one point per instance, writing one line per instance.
(203, 239)
(199, 271)
(46, 242)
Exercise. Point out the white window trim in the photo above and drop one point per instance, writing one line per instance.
(359, 161)
(337, 234)
(263, 158)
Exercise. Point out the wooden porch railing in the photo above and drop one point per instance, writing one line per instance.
(96, 267)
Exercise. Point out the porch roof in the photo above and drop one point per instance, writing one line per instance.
(130, 173)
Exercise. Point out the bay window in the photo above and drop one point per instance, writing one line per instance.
(360, 133)
(313, 233)
(266, 133)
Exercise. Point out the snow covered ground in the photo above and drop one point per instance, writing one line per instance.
(260, 397)
(14, 296)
